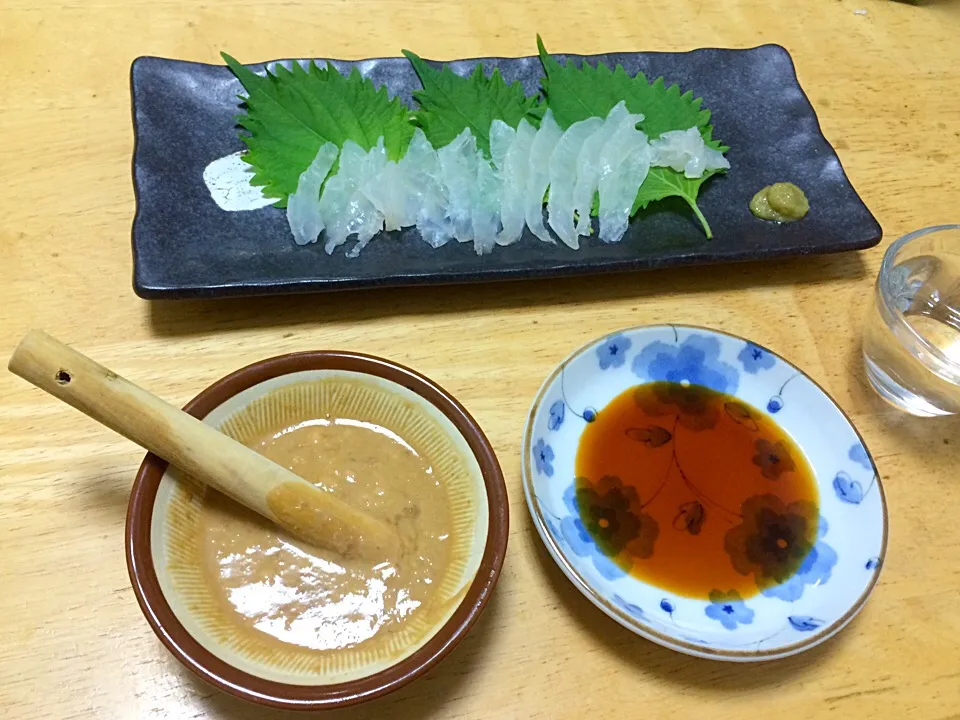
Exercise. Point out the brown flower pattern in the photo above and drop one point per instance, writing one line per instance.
(773, 459)
(695, 406)
(611, 512)
(773, 539)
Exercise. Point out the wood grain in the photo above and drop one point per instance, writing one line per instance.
(72, 641)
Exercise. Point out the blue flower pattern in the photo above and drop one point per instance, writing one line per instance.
(630, 608)
(613, 353)
(847, 489)
(815, 569)
(729, 610)
(543, 458)
(696, 361)
(858, 453)
(850, 491)
(557, 411)
(804, 623)
(754, 358)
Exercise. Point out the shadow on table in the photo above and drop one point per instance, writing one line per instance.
(197, 317)
(425, 697)
(722, 678)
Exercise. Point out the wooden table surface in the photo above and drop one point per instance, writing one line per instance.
(883, 77)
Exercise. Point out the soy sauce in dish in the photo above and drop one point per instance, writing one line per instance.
(695, 492)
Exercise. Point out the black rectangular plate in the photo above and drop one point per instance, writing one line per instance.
(184, 245)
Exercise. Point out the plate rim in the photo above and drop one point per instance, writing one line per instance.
(608, 608)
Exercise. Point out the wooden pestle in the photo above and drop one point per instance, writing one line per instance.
(201, 451)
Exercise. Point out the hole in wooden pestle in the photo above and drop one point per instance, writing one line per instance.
(63, 377)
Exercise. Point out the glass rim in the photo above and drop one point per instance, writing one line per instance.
(886, 268)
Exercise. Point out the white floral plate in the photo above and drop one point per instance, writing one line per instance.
(835, 578)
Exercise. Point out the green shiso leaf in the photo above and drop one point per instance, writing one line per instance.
(449, 103)
(291, 113)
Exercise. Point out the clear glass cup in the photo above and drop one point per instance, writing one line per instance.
(911, 341)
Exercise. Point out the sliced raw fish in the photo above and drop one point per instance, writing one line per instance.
(433, 224)
(588, 166)
(588, 175)
(458, 173)
(303, 206)
(538, 178)
(347, 211)
(399, 189)
(502, 136)
(428, 201)
(471, 189)
(456, 192)
(686, 152)
(428, 197)
(563, 178)
(513, 162)
(367, 220)
(486, 207)
(624, 164)
(389, 193)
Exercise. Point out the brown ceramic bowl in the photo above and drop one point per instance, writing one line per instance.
(173, 612)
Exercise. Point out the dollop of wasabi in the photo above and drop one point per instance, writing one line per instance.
(781, 202)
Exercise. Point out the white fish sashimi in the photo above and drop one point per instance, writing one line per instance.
(389, 192)
(563, 177)
(397, 192)
(367, 221)
(486, 207)
(343, 205)
(502, 136)
(624, 164)
(686, 152)
(538, 178)
(303, 206)
(456, 192)
(458, 173)
(588, 164)
(337, 195)
(513, 162)
(435, 230)
(434, 226)
(471, 190)
(420, 166)
(588, 175)
(427, 197)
